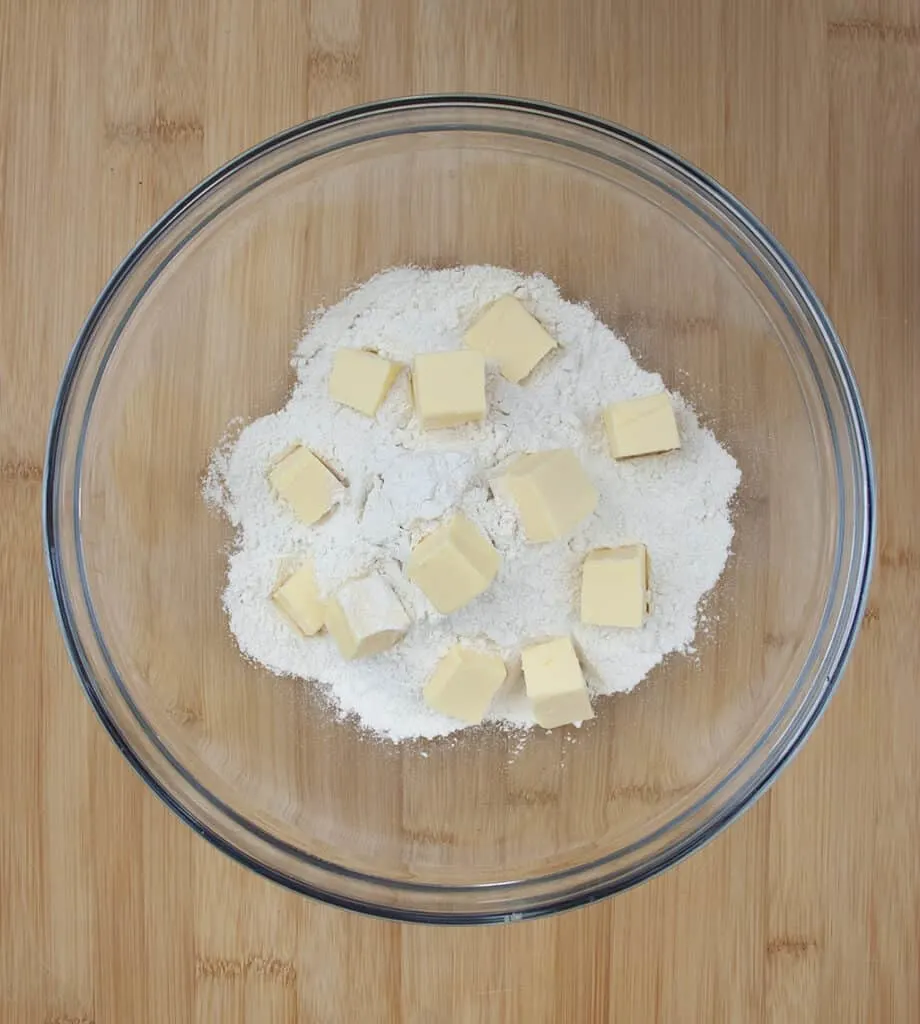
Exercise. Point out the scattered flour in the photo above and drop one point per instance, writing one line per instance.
(401, 481)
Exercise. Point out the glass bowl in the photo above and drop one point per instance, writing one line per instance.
(196, 327)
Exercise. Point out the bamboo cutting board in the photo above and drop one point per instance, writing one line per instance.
(807, 909)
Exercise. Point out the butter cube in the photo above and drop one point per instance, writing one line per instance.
(449, 388)
(555, 684)
(464, 684)
(615, 586)
(299, 601)
(365, 617)
(509, 335)
(453, 564)
(306, 483)
(641, 426)
(361, 379)
(551, 490)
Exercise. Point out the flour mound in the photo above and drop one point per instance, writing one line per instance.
(401, 481)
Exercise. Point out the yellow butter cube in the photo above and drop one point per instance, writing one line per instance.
(641, 426)
(299, 601)
(365, 617)
(615, 586)
(306, 483)
(509, 335)
(453, 564)
(464, 684)
(449, 388)
(361, 380)
(551, 490)
(555, 683)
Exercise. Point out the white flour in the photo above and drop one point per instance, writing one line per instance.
(401, 481)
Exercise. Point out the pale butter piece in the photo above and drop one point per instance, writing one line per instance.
(615, 586)
(306, 483)
(453, 564)
(551, 490)
(365, 617)
(509, 335)
(641, 426)
(298, 599)
(361, 380)
(555, 683)
(464, 684)
(449, 388)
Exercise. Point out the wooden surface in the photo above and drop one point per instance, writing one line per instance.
(808, 908)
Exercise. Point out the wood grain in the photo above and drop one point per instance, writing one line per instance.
(807, 909)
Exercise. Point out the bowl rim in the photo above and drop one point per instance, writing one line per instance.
(844, 635)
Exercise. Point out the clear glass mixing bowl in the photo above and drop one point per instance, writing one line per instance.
(196, 328)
